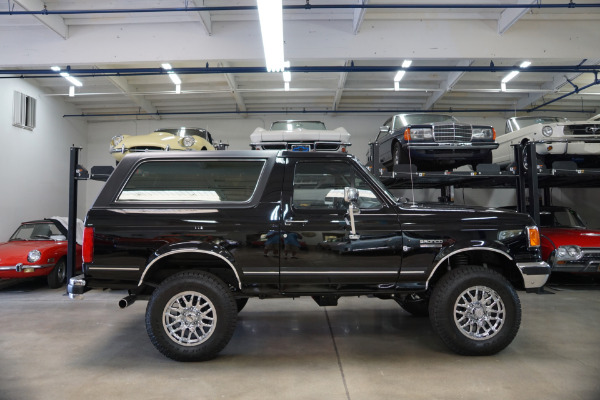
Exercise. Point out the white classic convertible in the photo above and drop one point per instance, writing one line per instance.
(558, 139)
(300, 136)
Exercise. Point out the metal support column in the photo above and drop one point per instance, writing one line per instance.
(72, 224)
(532, 182)
(520, 171)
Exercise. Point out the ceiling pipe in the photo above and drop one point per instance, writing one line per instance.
(94, 72)
(577, 90)
(307, 6)
(304, 111)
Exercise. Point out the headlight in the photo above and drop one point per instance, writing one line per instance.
(569, 253)
(547, 131)
(34, 256)
(483, 133)
(503, 235)
(188, 141)
(116, 140)
(420, 134)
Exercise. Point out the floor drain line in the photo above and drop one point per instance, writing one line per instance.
(337, 354)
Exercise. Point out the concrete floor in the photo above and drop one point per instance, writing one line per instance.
(55, 348)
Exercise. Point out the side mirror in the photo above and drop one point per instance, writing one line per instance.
(350, 195)
(384, 129)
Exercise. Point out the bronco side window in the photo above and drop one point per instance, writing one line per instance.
(320, 186)
(193, 181)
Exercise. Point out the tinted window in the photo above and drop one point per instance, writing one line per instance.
(193, 181)
(320, 186)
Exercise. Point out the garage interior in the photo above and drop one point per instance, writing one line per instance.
(344, 57)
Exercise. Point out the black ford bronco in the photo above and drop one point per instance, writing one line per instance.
(198, 234)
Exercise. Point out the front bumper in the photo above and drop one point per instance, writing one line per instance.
(535, 274)
(454, 151)
(77, 287)
(24, 270)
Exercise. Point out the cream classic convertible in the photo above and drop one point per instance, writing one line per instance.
(167, 139)
(558, 139)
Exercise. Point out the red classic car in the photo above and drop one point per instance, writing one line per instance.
(567, 245)
(39, 248)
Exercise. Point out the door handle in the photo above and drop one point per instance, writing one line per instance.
(295, 221)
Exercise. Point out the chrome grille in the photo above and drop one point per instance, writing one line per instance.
(141, 149)
(588, 130)
(452, 133)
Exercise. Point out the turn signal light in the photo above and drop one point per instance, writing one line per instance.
(407, 134)
(493, 134)
(87, 250)
(534, 236)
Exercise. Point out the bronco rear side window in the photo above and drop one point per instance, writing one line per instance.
(193, 181)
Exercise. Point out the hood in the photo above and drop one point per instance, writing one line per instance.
(336, 135)
(161, 139)
(474, 216)
(572, 236)
(12, 253)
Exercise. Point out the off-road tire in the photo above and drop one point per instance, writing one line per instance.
(191, 316)
(468, 296)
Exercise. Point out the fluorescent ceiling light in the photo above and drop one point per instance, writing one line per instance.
(286, 86)
(177, 89)
(287, 76)
(503, 86)
(71, 91)
(511, 75)
(525, 64)
(270, 13)
(166, 66)
(406, 63)
(396, 86)
(55, 68)
(399, 75)
(71, 79)
(175, 78)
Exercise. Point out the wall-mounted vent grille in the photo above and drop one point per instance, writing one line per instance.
(24, 111)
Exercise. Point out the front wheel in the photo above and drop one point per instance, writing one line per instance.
(475, 311)
(191, 316)
(57, 276)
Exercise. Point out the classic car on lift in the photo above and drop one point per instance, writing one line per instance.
(39, 248)
(300, 136)
(567, 244)
(165, 139)
(558, 139)
(433, 142)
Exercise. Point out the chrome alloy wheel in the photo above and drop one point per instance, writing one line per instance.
(479, 313)
(189, 318)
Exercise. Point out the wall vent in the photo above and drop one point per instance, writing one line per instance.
(24, 111)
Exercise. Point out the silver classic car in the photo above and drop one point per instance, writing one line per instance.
(300, 136)
(558, 139)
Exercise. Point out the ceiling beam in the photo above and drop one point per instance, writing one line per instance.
(121, 83)
(552, 85)
(239, 100)
(448, 84)
(511, 15)
(54, 22)
(340, 88)
(359, 16)
(204, 17)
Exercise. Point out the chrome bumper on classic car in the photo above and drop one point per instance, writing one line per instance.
(76, 287)
(535, 274)
(450, 146)
(23, 268)
(589, 261)
(300, 146)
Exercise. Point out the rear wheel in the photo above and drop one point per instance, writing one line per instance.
(56, 277)
(475, 311)
(191, 316)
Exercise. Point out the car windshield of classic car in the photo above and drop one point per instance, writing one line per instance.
(517, 123)
(291, 125)
(561, 218)
(183, 131)
(417, 119)
(38, 231)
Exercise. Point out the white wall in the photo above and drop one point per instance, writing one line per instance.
(34, 169)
